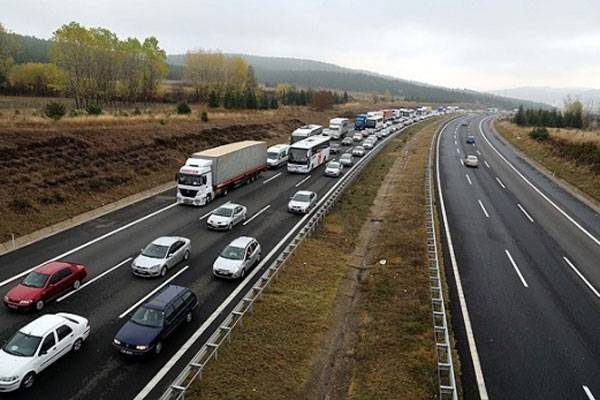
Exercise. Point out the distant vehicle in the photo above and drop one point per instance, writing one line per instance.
(360, 122)
(375, 122)
(464, 123)
(161, 255)
(216, 171)
(472, 161)
(308, 154)
(38, 345)
(357, 137)
(227, 216)
(43, 284)
(358, 151)
(470, 139)
(387, 115)
(335, 148)
(338, 127)
(388, 124)
(385, 132)
(155, 321)
(368, 144)
(302, 201)
(305, 132)
(277, 155)
(237, 258)
(347, 141)
(334, 168)
(347, 160)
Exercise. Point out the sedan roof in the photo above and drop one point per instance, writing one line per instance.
(53, 267)
(242, 241)
(167, 240)
(42, 325)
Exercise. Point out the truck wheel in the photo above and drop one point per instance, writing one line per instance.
(225, 190)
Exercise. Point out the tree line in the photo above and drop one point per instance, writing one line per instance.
(572, 117)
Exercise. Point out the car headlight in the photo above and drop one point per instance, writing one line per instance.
(26, 302)
(116, 341)
(143, 347)
(9, 378)
(155, 267)
(6, 298)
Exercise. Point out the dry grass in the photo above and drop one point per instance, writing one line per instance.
(580, 176)
(269, 358)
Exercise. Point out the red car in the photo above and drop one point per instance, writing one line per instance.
(44, 284)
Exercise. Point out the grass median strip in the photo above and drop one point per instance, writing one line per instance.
(276, 353)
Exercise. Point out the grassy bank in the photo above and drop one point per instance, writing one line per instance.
(271, 356)
(566, 154)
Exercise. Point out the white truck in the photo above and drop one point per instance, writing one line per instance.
(338, 128)
(216, 171)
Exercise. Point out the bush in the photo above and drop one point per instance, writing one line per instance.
(204, 117)
(183, 108)
(136, 111)
(93, 109)
(55, 110)
(539, 133)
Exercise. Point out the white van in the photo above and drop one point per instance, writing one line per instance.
(277, 155)
(338, 128)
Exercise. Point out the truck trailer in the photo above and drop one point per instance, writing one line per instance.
(210, 173)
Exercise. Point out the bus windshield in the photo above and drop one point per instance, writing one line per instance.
(298, 156)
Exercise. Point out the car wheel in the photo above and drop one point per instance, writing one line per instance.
(28, 380)
(39, 305)
(258, 258)
(76, 284)
(230, 226)
(77, 345)
(188, 317)
(163, 271)
(186, 255)
(158, 348)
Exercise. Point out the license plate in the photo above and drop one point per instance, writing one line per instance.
(127, 352)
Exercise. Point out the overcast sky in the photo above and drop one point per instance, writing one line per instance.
(476, 44)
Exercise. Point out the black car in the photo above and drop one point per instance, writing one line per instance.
(154, 321)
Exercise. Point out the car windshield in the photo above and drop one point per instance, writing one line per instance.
(35, 280)
(346, 156)
(22, 345)
(272, 155)
(334, 165)
(303, 197)
(359, 148)
(223, 212)
(155, 251)
(191, 180)
(148, 317)
(233, 253)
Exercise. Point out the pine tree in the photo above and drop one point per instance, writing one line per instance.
(228, 100)
(345, 97)
(213, 100)
(274, 105)
(264, 101)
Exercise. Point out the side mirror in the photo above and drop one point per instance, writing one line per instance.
(43, 352)
(170, 255)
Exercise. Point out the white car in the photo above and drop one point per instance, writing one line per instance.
(302, 202)
(37, 345)
(472, 161)
(357, 137)
(334, 168)
(358, 151)
(161, 255)
(368, 144)
(237, 258)
(227, 216)
(385, 132)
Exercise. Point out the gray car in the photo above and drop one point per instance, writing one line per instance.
(227, 216)
(237, 258)
(347, 141)
(161, 255)
(346, 160)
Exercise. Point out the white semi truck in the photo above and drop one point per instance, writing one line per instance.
(210, 173)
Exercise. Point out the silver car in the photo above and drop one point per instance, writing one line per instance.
(302, 202)
(237, 258)
(227, 216)
(472, 161)
(334, 168)
(358, 151)
(368, 144)
(346, 160)
(357, 137)
(347, 141)
(161, 255)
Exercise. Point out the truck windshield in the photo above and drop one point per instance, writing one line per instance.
(192, 180)
(335, 127)
(298, 156)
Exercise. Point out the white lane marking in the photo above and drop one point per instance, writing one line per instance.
(525, 212)
(516, 268)
(271, 178)
(186, 346)
(461, 161)
(165, 283)
(592, 288)
(257, 214)
(108, 271)
(538, 191)
(468, 179)
(483, 208)
(212, 211)
(500, 182)
(588, 393)
(459, 288)
(486, 164)
(303, 180)
(91, 242)
(478, 152)
(458, 151)
(455, 143)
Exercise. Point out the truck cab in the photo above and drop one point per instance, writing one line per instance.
(194, 182)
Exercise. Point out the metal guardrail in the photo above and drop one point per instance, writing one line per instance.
(443, 347)
(210, 349)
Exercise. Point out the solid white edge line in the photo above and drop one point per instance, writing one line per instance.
(583, 278)
(483, 208)
(538, 191)
(516, 268)
(257, 214)
(525, 212)
(186, 346)
(588, 393)
(212, 211)
(468, 179)
(108, 271)
(500, 182)
(486, 164)
(165, 283)
(459, 289)
(91, 242)
(271, 178)
(303, 180)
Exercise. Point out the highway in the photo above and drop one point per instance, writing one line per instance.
(526, 257)
(108, 244)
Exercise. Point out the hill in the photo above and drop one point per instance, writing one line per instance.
(553, 96)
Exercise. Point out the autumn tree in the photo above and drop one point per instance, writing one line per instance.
(322, 100)
(387, 96)
(35, 79)
(8, 48)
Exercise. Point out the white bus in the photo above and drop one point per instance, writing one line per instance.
(374, 123)
(305, 132)
(308, 154)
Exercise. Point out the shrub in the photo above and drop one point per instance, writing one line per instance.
(21, 204)
(204, 117)
(136, 111)
(162, 121)
(183, 108)
(55, 110)
(17, 112)
(539, 133)
(93, 109)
